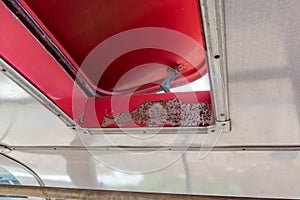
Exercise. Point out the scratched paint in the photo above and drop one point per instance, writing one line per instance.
(163, 113)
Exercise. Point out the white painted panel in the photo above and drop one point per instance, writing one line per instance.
(257, 174)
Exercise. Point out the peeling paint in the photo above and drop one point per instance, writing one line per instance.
(163, 113)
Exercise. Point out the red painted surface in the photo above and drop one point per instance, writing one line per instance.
(150, 76)
(21, 50)
(79, 26)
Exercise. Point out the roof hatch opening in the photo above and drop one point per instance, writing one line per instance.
(115, 66)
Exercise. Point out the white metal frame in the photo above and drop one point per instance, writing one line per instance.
(214, 28)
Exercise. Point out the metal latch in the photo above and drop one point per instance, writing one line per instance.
(174, 72)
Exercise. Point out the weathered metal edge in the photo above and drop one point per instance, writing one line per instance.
(214, 30)
(86, 194)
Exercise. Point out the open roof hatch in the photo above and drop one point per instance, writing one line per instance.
(122, 63)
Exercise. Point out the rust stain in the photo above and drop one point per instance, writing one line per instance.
(163, 113)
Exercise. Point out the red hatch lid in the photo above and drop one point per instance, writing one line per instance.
(126, 45)
(119, 47)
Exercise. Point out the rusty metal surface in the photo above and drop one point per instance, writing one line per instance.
(84, 194)
(169, 113)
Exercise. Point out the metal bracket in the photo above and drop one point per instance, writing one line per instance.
(166, 84)
(224, 126)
